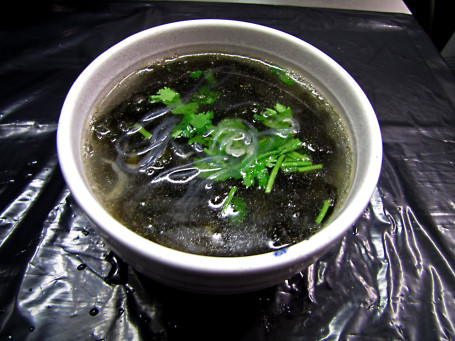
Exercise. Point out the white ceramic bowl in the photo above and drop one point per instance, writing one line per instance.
(219, 275)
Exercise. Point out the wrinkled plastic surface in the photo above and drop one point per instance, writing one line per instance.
(391, 278)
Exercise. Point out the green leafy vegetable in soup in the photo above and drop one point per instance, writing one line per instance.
(219, 155)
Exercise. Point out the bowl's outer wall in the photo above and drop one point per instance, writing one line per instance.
(214, 274)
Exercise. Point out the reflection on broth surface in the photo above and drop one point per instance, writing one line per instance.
(219, 155)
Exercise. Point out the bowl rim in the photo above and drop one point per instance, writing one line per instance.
(184, 261)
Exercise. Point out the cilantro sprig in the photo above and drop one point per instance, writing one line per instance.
(279, 117)
(166, 96)
(275, 154)
(193, 123)
(323, 212)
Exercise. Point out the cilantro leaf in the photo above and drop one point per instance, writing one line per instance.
(186, 109)
(203, 141)
(205, 96)
(166, 96)
(280, 117)
(240, 210)
(183, 129)
(193, 124)
(257, 173)
(234, 207)
(196, 74)
(177, 132)
(210, 77)
(283, 75)
(201, 121)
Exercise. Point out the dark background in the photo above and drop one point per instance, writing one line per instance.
(436, 17)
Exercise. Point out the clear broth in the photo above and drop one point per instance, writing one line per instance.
(186, 211)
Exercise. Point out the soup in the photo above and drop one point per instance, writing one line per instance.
(219, 155)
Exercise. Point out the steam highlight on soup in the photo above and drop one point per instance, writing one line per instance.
(219, 155)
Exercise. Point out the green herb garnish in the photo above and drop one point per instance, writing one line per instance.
(231, 155)
(229, 199)
(282, 75)
(279, 117)
(240, 210)
(205, 96)
(272, 177)
(192, 125)
(323, 211)
(210, 77)
(288, 169)
(196, 74)
(166, 96)
(142, 130)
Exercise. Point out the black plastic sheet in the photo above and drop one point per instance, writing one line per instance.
(391, 278)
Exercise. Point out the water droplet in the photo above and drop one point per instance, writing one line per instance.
(120, 313)
(355, 231)
(30, 289)
(85, 232)
(93, 311)
(129, 289)
(81, 266)
(31, 329)
(145, 318)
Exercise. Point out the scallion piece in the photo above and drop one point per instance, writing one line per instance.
(298, 156)
(297, 163)
(228, 199)
(273, 174)
(323, 211)
(309, 168)
(142, 130)
(293, 169)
